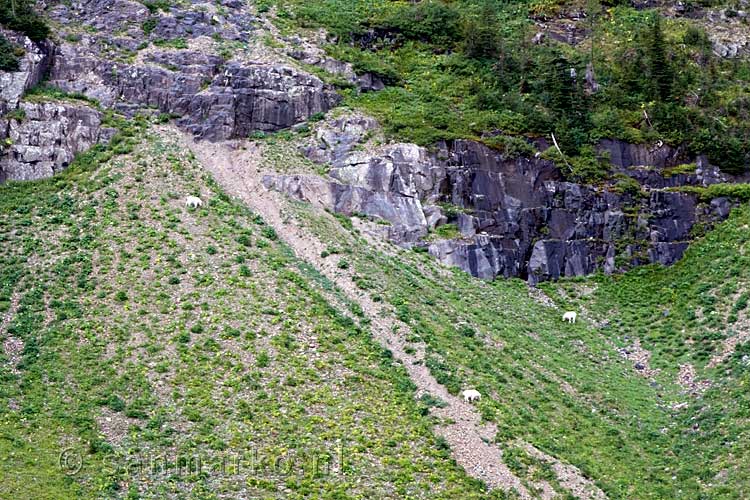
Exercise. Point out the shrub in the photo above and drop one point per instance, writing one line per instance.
(155, 6)
(149, 25)
(269, 233)
(20, 15)
(447, 231)
(175, 43)
(8, 58)
(263, 360)
(18, 114)
(626, 185)
(696, 37)
(509, 145)
(480, 34)
(429, 21)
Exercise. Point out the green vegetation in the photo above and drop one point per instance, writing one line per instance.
(19, 15)
(45, 92)
(175, 43)
(139, 329)
(446, 231)
(147, 329)
(688, 168)
(685, 314)
(468, 67)
(154, 6)
(18, 114)
(627, 185)
(9, 56)
(118, 361)
(740, 192)
(565, 388)
(149, 25)
(492, 336)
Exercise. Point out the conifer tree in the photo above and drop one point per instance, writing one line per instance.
(659, 67)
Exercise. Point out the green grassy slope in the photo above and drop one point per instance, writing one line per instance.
(685, 314)
(139, 329)
(564, 388)
(561, 388)
(151, 331)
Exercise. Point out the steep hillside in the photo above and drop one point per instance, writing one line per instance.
(135, 329)
(575, 392)
(693, 317)
(654, 72)
(308, 331)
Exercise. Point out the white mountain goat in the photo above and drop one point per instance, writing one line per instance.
(471, 395)
(570, 316)
(193, 202)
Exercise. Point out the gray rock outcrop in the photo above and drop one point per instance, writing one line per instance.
(31, 70)
(126, 57)
(215, 96)
(728, 32)
(38, 139)
(311, 53)
(514, 216)
(47, 138)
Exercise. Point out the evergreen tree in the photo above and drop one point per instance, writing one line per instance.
(561, 86)
(8, 58)
(659, 67)
(481, 34)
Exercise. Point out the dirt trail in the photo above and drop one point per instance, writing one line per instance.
(237, 168)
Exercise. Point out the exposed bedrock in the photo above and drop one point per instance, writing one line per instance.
(136, 61)
(38, 139)
(46, 138)
(212, 99)
(174, 66)
(32, 67)
(510, 216)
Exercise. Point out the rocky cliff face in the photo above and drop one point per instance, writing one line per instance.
(38, 139)
(32, 68)
(46, 137)
(203, 63)
(512, 216)
(206, 64)
(190, 62)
